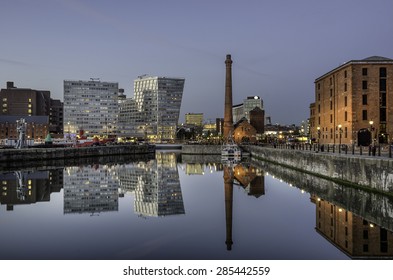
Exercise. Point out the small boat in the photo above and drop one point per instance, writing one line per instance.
(231, 150)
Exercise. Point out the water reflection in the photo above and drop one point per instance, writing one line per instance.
(354, 235)
(97, 188)
(29, 187)
(357, 223)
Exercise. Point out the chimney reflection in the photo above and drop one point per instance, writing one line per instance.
(352, 234)
(250, 179)
(228, 189)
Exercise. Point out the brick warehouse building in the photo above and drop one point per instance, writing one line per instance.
(26, 102)
(354, 103)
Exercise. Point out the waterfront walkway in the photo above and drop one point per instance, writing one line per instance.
(384, 151)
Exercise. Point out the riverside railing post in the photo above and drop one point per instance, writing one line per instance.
(360, 150)
(379, 150)
(353, 149)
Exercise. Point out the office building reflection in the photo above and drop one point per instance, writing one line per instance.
(159, 192)
(249, 178)
(352, 234)
(155, 185)
(195, 169)
(29, 187)
(90, 189)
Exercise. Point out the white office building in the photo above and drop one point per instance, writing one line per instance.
(154, 110)
(243, 110)
(91, 106)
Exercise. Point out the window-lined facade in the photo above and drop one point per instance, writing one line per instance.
(91, 106)
(154, 110)
(355, 97)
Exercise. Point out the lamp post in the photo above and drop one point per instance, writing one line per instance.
(340, 131)
(371, 131)
(373, 148)
(319, 135)
(69, 136)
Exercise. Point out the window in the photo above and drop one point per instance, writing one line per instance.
(331, 118)
(382, 72)
(346, 132)
(345, 87)
(365, 234)
(364, 115)
(364, 85)
(331, 105)
(345, 101)
(345, 73)
(365, 247)
(364, 99)
(382, 85)
(364, 71)
(345, 116)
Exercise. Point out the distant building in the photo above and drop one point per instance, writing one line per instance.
(194, 119)
(251, 110)
(37, 128)
(354, 103)
(257, 120)
(244, 132)
(242, 110)
(153, 112)
(24, 102)
(219, 126)
(91, 106)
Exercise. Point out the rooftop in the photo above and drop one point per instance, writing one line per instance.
(371, 59)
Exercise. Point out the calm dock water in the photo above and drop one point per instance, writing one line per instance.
(173, 207)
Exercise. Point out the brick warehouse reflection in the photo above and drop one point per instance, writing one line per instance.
(352, 234)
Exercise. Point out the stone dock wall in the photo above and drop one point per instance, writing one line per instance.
(201, 149)
(20, 157)
(369, 172)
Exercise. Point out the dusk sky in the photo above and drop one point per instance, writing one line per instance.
(278, 47)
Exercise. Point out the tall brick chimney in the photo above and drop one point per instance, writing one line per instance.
(228, 118)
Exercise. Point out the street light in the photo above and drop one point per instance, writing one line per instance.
(340, 131)
(371, 131)
(372, 137)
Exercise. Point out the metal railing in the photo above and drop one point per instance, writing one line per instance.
(372, 150)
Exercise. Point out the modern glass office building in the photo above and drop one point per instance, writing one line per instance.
(154, 110)
(91, 106)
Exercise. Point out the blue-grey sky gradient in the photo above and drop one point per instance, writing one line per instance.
(278, 47)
